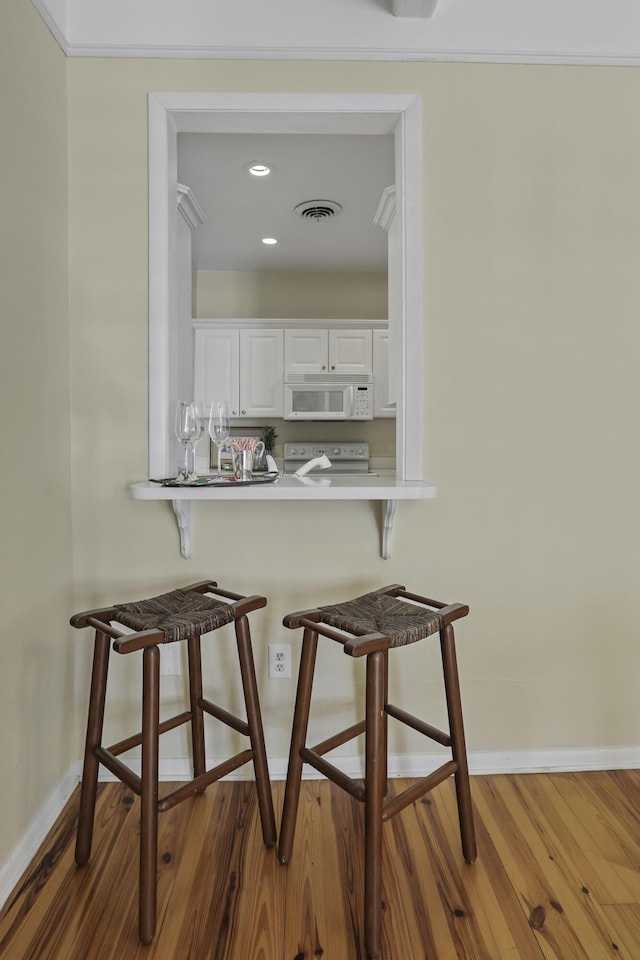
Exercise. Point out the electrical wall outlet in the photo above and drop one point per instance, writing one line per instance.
(170, 659)
(279, 660)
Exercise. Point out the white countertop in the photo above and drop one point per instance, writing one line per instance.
(287, 487)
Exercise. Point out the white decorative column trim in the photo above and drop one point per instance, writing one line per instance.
(413, 8)
(189, 207)
(386, 208)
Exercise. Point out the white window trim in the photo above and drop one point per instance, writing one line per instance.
(173, 113)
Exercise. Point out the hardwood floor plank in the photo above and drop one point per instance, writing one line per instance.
(255, 931)
(40, 886)
(475, 903)
(410, 888)
(590, 920)
(490, 891)
(566, 920)
(49, 904)
(177, 921)
(603, 824)
(216, 876)
(307, 924)
(558, 864)
(625, 919)
(346, 878)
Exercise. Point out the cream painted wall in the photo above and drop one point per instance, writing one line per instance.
(39, 742)
(290, 295)
(532, 226)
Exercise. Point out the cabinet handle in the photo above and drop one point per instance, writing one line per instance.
(235, 413)
(323, 367)
(243, 412)
(333, 366)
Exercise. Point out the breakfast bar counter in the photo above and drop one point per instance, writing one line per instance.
(380, 487)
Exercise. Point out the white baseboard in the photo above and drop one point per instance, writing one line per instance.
(405, 765)
(26, 848)
(554, 761)
(416, 765)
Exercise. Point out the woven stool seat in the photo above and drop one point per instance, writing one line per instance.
(367, 628)
(180, 614)
(400, 621)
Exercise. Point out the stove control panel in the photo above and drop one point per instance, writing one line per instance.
(301, 452)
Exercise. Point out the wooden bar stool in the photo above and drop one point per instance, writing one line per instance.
(368, 627)
(183, 614)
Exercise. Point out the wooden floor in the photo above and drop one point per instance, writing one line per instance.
(557, 877)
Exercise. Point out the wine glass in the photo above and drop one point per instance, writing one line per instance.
(219, 425)
(189, 428)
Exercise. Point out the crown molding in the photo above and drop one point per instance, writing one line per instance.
(547, 32)
(354, 54)
(55, 21)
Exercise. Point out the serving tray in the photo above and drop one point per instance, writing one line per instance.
(218, 481)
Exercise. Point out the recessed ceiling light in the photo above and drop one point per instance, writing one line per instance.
(259, 169)
(269, 240)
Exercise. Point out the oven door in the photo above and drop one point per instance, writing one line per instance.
(317, 401)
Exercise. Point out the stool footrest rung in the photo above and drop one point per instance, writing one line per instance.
(224, 716)
(421, 726)
(126, 775)
(119, 769)
(136, 739)
(323, 766)
(339, 738)
(418, 789)
(199, 784)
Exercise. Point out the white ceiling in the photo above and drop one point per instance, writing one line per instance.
(570, 31)
(240, 209)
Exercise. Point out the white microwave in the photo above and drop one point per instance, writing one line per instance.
(321, 396)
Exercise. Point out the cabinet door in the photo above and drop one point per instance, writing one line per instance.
(261, 373)
(350, 351)
(305, 351)
(216, 371)
(381, 405)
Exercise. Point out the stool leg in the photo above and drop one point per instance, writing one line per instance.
(375, 785)
(298, 740)
(149, 793)
(94, 739)
(385, 751)
(256, 733)
(195, 697)
(459, 750)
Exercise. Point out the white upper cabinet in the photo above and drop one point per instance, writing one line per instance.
(350, 351)
(306, 351)
(216, 370)
(328, 351)
(261, 370)
(243, 367)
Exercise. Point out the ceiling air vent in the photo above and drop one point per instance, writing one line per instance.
(318, 210)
